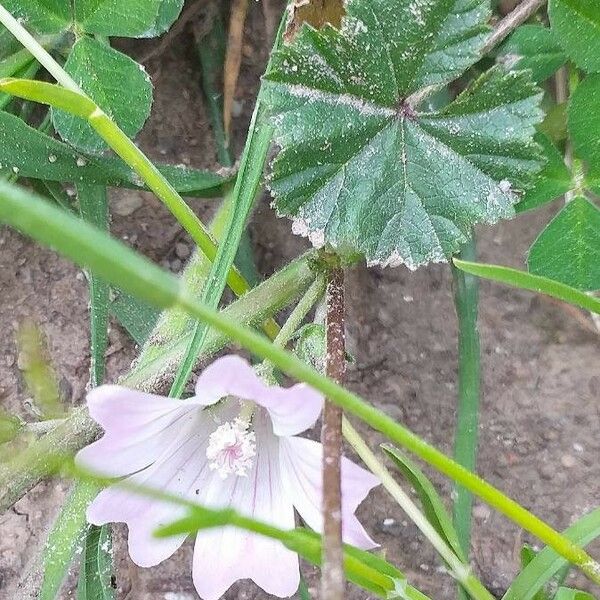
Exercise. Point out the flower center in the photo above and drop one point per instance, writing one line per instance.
(231, 448)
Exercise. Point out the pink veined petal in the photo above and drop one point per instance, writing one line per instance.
(138, 429)
(181, 468)
(242, 554)
(292, 410)
(301, 468)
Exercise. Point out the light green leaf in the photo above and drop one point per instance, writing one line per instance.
(533, 283)
(41, 16)
(118, 84)
(576, 24)
(168, 12)
(362, 167)
(533, 47)
(572, 594)
(31, 153)
(66, 536)
(432, 504)
(568, 249)
(131, 18)
(96, 568)
(552, 181)
(9, 426)
(311, 345)
(584, 121)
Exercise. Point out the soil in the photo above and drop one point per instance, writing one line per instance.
(541, 381)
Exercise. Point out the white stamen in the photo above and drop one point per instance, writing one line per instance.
(231, 448)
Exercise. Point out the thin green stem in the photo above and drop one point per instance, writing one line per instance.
(460, 571)
(466, 299)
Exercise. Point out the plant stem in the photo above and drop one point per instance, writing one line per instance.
(332, 576)
(460, 571)
(466, 300)
(506, 26)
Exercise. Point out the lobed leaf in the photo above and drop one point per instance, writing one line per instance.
(568, 249)
(363, 167)
(41, 16)
(118, 84)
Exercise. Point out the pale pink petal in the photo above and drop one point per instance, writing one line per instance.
(301, 467)
(292, 410)
(180, 470)
(138, 429)
(244, 555)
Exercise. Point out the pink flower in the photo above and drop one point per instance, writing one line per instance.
(242, 452)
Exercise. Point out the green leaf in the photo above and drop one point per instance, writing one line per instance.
(311, 345)
(96, 572)
(136, 316)
(41, 16)
(553, 181)
(31, 153)
(432, 504)
(571, 594)
(363, 167)
(93, 204)
(9, 426)
(584, 122)
(533, 283)
(118, 84)
(133, 18)
(568, 249)
(548, 563)
(168, 12)
(533, 47)
(576, 24)
(66, 536)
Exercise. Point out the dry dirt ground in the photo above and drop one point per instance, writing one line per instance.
(541, 383)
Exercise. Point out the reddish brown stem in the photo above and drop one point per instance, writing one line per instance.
(332, 579)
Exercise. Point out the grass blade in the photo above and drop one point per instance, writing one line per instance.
(533, 283)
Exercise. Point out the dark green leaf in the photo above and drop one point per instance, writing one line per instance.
(568, 249)
(533, 47)
(361, 167)
(31, 153)
(584, 121)
(311, 345)
(168, 12)
(93, 204)
(533, 283)
(432, 504)
(96, 571)
(130, 18)
(576, 24)
(118, 84)
(548, 563)
(136, 316)
(553, 181)
(66, 536)
(41, 16)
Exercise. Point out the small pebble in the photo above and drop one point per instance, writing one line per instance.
(481, 512)
(388, 522)
(127, 205)
(182, 250)
(568, 461)
(577, 447)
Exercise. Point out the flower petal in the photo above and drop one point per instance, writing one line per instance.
(292, 410)
(179, 470)
(243, 554)
(301, 467)
(138, 429)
